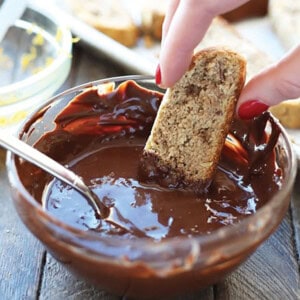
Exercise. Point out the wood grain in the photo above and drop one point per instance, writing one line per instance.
(58, 283)
(20, 253)
(270, 273)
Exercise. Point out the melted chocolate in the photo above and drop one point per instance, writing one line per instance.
(101, 137)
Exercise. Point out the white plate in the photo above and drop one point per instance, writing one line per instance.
(142, 60)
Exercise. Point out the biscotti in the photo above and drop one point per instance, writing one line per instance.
(288, 113)
(154, 11)
(222, 33)
(109, 17)
(152, 16)
(193, 121)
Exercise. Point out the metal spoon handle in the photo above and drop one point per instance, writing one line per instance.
(49, 165)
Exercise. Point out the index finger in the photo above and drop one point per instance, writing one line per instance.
(186, 28)
(185, 25)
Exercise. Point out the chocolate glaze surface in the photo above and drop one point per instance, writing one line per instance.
(154, 242)
(100, 135)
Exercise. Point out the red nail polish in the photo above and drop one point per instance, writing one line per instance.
(251, 109)
(158, 75)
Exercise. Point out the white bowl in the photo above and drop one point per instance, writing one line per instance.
(35, 59)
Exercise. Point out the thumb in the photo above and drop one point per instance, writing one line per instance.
(275, 84)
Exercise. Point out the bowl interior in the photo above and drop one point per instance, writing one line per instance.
(36, 127)
(212, 255)
(27, 49)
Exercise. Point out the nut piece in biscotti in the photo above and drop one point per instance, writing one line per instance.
(193, 121)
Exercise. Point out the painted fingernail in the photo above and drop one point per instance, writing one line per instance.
(158, 75)
(251, 109)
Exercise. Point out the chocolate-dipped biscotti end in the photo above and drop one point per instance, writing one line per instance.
(193, 121)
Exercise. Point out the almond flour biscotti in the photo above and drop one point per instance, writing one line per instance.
(193, 121)
(223, 34)
(152, 16)
(288, 113)
(108, 16)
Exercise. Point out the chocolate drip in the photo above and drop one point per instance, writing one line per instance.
(258, 144)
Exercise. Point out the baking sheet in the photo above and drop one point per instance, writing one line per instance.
(142, 60)
(138, 60)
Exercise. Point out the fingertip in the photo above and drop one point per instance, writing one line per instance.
(158, 75)
(251, 108)
(171, 68)
(276, 83)
(257, 96)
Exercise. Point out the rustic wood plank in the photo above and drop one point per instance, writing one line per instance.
(20, 253)
(270, 273)
(58, 283)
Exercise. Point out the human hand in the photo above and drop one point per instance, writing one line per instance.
(185, 24)
(277, 83)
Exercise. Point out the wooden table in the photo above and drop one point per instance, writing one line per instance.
(27, 271)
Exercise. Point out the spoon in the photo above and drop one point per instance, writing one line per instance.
(52, 167)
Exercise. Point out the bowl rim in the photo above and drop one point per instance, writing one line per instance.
(232, 231)
(65, 53)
